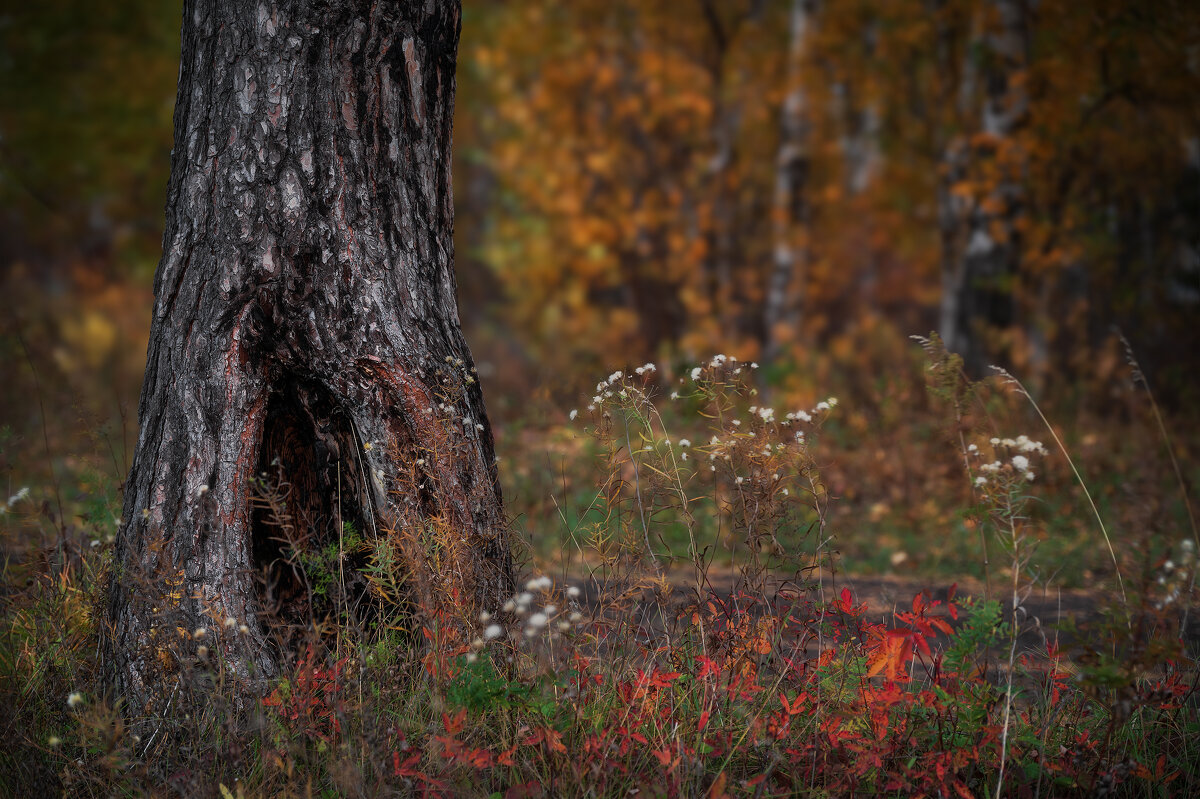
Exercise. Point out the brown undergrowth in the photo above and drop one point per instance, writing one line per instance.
(634, 671)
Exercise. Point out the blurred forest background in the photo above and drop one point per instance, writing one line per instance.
(799, 182)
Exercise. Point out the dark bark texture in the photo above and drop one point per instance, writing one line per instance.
(305, 327)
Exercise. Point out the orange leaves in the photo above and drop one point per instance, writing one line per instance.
(547, 736)
(795, 706)
(891, 652)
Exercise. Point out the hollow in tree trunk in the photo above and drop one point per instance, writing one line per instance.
(305, 345)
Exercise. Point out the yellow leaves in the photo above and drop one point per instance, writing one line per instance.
(88, 340)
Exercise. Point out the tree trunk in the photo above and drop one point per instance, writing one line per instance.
(790, 214)
(981, 247)
(305, 346)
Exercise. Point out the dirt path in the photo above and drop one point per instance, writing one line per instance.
(1046, 613)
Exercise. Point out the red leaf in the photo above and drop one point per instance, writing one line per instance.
(454, 725)
(505, 757)
(405, 769)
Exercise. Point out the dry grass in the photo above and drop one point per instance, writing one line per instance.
(635, 671)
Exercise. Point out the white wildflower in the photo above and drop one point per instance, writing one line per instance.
(696, 373)
(230, 622)
(17, 497)
(1029, 476)
(1020, 463)
(573, 591)
(683, 442)
(200, 632)
(493, 631)
(75, 699)
(573, 414)
(538, 620)
(980, 481)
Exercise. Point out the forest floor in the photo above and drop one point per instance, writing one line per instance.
(1048, 617)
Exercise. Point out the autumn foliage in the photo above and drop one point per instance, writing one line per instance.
(796, 183)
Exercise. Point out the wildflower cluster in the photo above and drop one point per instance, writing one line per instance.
(1177, 575)
(1011, 462)
(615, 386)
(534, 613)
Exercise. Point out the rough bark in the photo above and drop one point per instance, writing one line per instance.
(305, 326)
